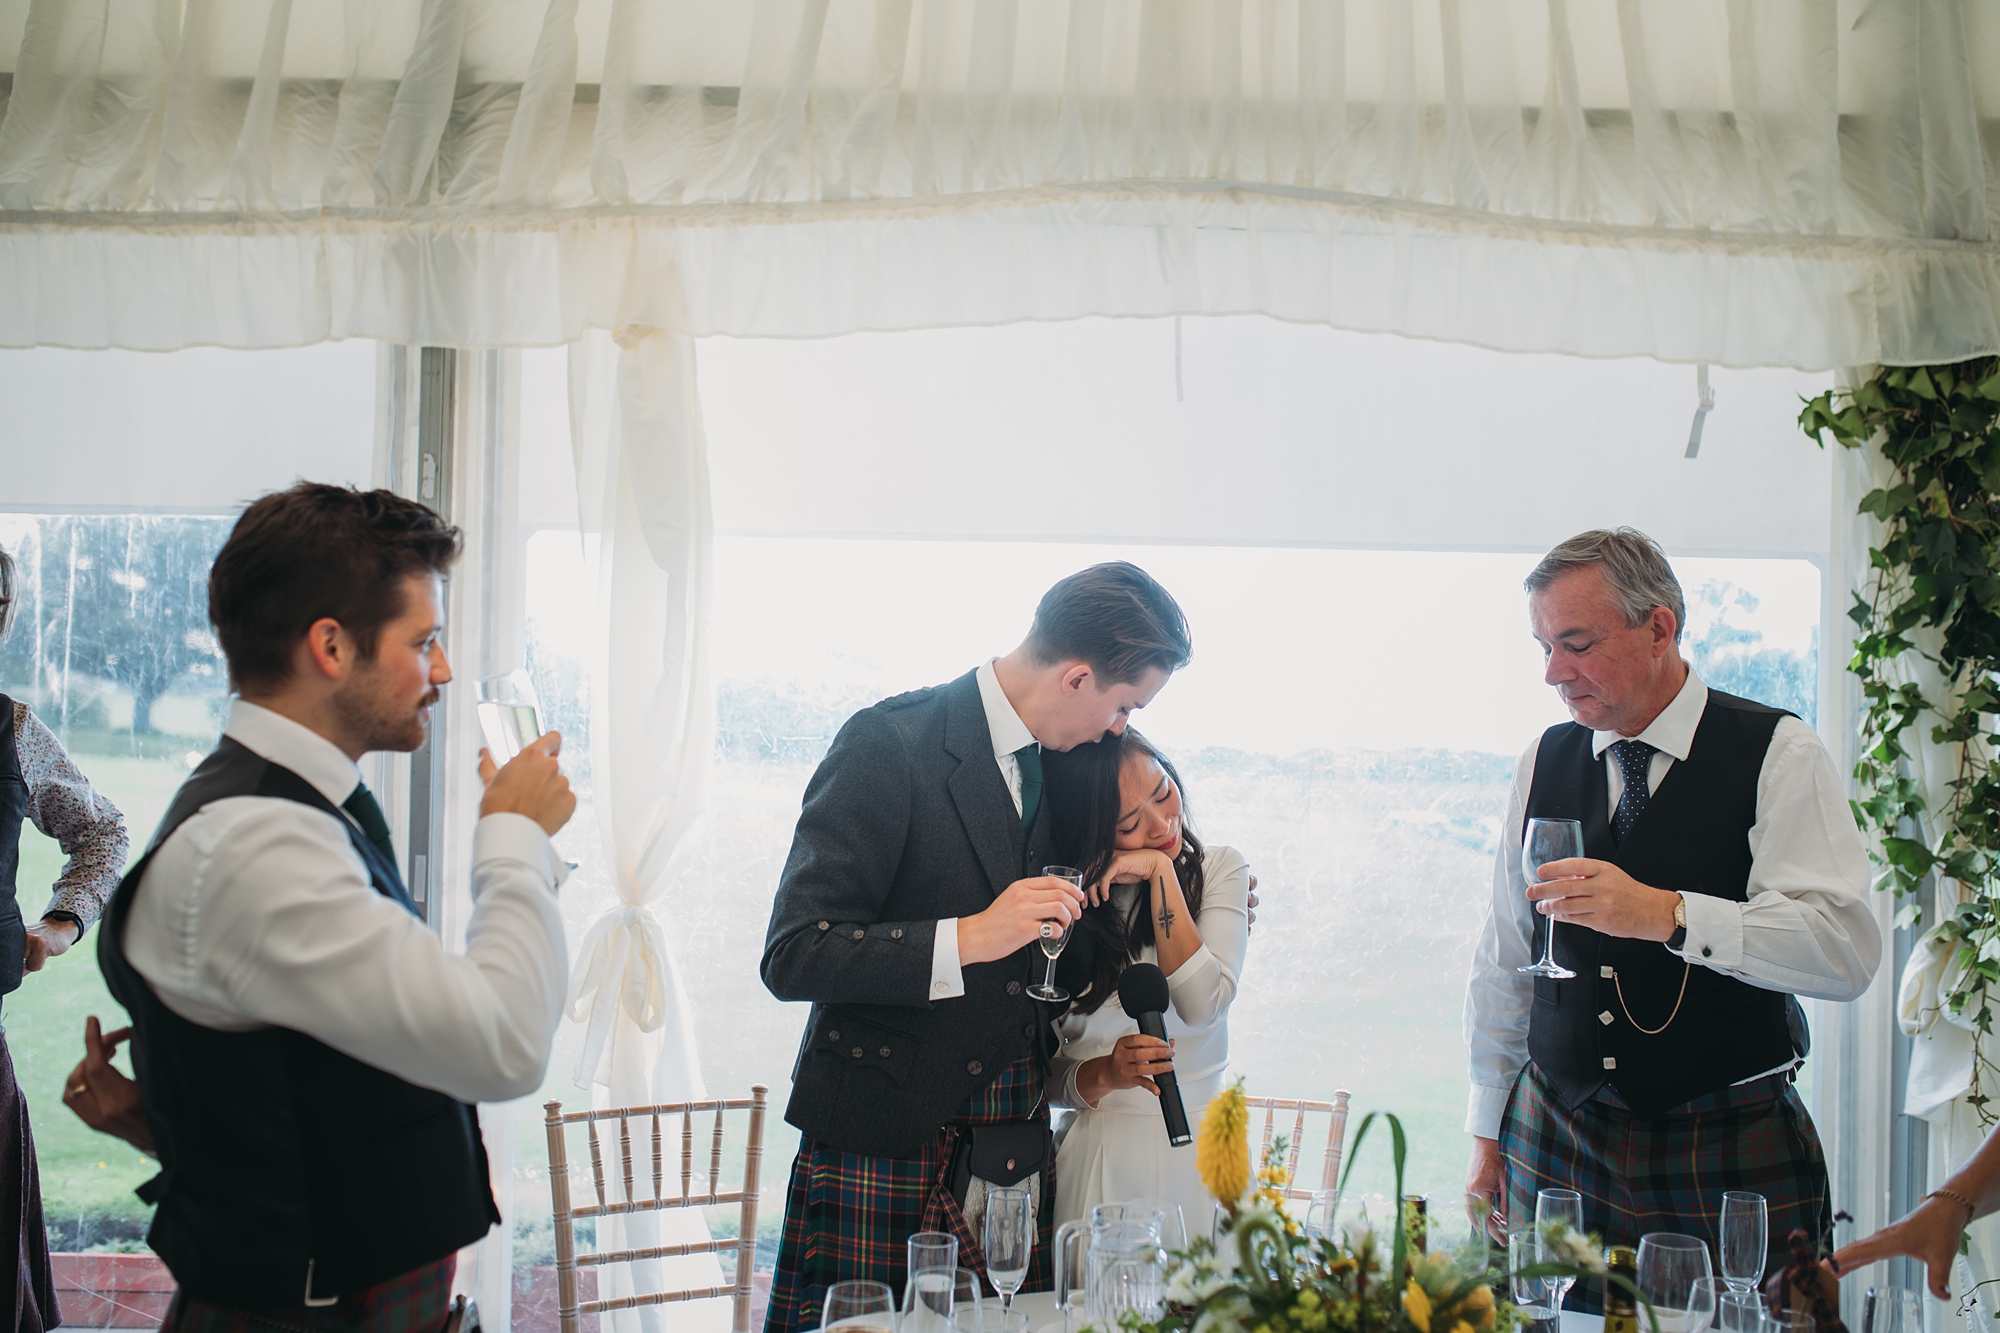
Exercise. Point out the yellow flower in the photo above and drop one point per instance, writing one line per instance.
(1417, 1305)
(1461, 1327)
(1479, 1308)
(1222, 1150)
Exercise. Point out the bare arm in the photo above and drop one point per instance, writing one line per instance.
(1933, 1228)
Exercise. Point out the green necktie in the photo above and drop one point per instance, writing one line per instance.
(1030, 757)
(368, 815)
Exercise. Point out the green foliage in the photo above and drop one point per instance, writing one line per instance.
(1937, 569)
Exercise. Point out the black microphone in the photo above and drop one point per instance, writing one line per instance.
(1142, 993)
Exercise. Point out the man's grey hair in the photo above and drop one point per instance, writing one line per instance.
(1634, 566)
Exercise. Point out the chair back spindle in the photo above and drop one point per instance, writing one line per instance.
(1336, 1113)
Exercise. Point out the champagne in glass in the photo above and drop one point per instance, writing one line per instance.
(509, 716)
(1054, 937)
(1009, 1241)
(1746, 1228)
(1543, 841)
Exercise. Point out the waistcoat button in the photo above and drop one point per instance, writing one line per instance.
(860, 934)
(856, 1052)
(825, 925)
(1013, 988)
(1028, 1031)
(832, 1035)
(974, 1068)
(884, 1052)
(896, 934)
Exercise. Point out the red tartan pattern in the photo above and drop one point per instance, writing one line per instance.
(1667, 1174)
(849, 1216)
(416, 1302)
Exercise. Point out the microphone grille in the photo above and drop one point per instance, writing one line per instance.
(1142, 989)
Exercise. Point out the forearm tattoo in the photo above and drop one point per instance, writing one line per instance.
(1166, 910)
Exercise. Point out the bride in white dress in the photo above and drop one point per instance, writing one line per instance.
(1171, 903)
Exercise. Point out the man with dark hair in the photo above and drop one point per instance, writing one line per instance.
(908, 914)
(1721, 876)
(306, 1048)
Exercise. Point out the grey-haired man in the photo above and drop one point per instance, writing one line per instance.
(1722, 876)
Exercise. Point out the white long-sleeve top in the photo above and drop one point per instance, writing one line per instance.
(1201, 990)
(257, 912)
(1806, 928)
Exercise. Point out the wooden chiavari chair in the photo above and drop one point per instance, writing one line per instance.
(1336, 1135)
(569, 1311)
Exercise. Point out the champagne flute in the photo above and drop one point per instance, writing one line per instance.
(1009, 1241)
(1054, 937)
(509, 715)
(1539, 1297)
(1543, 841)
(1669, 1265)
(1557, 1208)
(858, 1307)
(1746, 1239)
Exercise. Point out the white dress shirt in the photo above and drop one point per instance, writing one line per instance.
(258, 912)
(1009, 734)
(1806, 929)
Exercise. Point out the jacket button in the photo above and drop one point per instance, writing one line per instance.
(860, 934)
(1013, 988)
(884, 1052)
(974, 1068)
(856, 1052)
(826, 925)
(896, 934)
(832, 1035)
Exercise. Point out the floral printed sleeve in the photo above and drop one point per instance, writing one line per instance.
(64, 806)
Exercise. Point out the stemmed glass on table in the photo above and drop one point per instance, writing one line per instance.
(858, 1307)
(1553, 1207)
(1009, 1241)
(1537, 1297)
(1543, 841)
(1053, 939)
(1745, 1240)
(1670, 1266)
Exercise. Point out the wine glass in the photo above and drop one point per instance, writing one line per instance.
(1538, 1297)
(1704, 1299)
(1745, 1240)
(1790, 1321)
(1740, 1312)
(1009, 1241)
(1054, 937)
(1557, 1208)
(1320, 1213)
(1543, 841)
(1669, 1264)
(858, 1307)
(509, 715)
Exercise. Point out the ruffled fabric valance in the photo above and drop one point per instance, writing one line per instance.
(1794, 182)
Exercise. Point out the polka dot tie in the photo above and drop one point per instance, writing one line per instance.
(1634, 759)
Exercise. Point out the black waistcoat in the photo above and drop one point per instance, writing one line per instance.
(1693, 837)
(13, 810)
(285, 1165)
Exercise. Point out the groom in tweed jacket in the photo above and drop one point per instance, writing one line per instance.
(908, 914)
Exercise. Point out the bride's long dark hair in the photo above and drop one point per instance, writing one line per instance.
(1081, 787)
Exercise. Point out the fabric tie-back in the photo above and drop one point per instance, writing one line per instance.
(1780, 182)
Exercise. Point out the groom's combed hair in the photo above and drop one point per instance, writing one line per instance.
(317, 552)
(1115, 619)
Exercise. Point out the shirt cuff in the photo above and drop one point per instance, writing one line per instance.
(1715, 931)
(947, 978)
(1485, 1111)
(512, 837)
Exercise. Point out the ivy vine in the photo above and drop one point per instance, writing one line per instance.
(1937, 569)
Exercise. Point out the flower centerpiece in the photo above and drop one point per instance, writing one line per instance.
(1262, 1273)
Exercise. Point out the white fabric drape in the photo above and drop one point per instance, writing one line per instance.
(1708, 180)
(643, 495)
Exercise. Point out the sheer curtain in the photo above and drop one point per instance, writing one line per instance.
(1794, 182)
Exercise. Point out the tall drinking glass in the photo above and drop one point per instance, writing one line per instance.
(1557, 1208)
(1746, 1239)
(509, 716)
(1543, 841)
(1898, 1311)
(858, 1307)
(1054, 937)
(1669, 1266)
(927, 1301)
(1009, 1241)
(1538, 1297)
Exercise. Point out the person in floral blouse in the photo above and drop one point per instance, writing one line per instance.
(39, 782)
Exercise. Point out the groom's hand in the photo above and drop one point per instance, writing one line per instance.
(1015, 919)
(1598, 894)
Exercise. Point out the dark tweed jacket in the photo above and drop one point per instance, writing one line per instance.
(906, 822)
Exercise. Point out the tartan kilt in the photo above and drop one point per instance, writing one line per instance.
(416, 1302)
(850, 1216)
(1667, 1174)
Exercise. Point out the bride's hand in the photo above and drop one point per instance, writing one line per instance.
(1133, 867)
(1136, 1060)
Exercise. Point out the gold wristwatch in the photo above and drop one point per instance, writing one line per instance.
(1680, 935)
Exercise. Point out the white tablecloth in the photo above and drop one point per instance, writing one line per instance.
(1043, 1317)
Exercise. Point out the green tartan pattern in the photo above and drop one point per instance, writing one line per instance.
(849, 1216)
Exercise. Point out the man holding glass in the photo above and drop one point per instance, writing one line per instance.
(1647, 1064)
(909, 914)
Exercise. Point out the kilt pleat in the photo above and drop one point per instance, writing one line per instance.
(850, 1216)
(1668, 1173)
(416, 1302)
